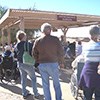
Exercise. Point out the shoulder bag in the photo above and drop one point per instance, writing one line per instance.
(27, 58)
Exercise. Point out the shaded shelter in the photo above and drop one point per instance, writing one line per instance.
(26, 19)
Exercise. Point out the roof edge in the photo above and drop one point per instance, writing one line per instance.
(26, 10)
(5, 16)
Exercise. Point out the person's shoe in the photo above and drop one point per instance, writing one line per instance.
(37, 97)
(26, 96)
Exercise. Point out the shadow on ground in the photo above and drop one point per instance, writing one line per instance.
(16, 89)
(65, 75)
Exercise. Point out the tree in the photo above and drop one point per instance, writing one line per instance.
(2, 11)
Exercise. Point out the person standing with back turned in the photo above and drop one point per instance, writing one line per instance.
(25, 69)
(49, 53)
(90, 79)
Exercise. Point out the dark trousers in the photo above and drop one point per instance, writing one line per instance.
(88, 93)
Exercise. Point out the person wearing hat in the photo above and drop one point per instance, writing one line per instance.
(48, 52)
(90, 79)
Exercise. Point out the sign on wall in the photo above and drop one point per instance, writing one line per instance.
(66, 18)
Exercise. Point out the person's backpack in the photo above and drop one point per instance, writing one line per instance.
(27, 58)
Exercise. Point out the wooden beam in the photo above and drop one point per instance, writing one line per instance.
(21, 24)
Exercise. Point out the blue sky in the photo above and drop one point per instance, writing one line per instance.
(91, 7)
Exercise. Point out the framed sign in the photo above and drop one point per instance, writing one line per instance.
(66, 18)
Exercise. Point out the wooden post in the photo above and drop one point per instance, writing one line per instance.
(2, 30)
(9, 36)
(21, 25)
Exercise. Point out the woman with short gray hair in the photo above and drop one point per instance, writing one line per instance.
(90, 79)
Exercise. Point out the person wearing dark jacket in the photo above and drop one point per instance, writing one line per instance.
(48, 52)
(25, 69)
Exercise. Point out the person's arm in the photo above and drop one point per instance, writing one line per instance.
(74, 64)
(15, 51)
(98, 71)
(35, 51)
(60, 54)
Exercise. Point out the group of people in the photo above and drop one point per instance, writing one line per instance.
(48, 52)
(49, 55)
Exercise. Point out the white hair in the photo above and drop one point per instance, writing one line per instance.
(44, 26)
(18, 33)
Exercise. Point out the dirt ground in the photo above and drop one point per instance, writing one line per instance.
(13, 91)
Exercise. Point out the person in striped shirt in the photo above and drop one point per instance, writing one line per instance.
(90, 80)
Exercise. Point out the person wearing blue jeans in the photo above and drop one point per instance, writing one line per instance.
(25, 69)
(48, 52)
(46, 70)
